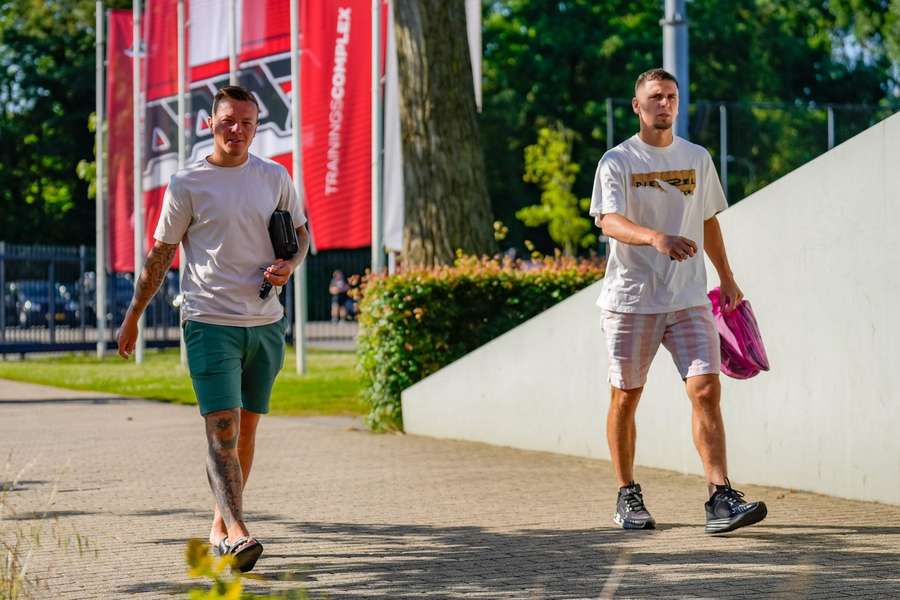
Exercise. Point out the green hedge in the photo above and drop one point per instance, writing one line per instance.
(415, 322)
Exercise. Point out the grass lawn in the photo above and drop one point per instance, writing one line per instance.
(330, 387)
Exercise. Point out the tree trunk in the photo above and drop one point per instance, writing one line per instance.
(447, 204)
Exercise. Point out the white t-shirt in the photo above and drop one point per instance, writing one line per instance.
(221, 216)
(673, 189)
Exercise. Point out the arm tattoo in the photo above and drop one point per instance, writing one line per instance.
(155, 268)
(303, 243)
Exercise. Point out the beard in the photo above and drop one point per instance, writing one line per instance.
(662, 125)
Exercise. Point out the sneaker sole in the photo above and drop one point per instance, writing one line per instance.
(724, 525)
(624, 524)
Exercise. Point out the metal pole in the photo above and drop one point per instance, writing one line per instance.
(675, 58)
(297, 172)
(378, 262)
(181, 86)
(137, 107)
(232, 43)
(82, 259)
(51, 315)
(300, 316)
(830, 127)
(723, 148)
(100, 183)
(3, 292)
(182, 150)
(610, 124)
(473, 29)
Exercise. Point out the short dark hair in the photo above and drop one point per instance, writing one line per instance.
(234, 92)
(654, 75)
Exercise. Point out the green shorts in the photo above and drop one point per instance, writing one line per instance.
(234, 367)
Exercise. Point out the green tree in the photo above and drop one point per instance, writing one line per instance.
(874, 23)
(559, 61)
(46, 92)
(46, 99)
(548, 164)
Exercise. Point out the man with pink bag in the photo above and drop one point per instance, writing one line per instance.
(656, 196)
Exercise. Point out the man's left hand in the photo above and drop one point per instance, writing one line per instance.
(279, 272)
(730, 294)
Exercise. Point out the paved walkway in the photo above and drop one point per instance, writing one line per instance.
(349, 514)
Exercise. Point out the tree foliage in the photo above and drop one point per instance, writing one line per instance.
(875, 23)
(559, 61)
(548, 164)
(46, 93)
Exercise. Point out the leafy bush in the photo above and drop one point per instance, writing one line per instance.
(415, 322)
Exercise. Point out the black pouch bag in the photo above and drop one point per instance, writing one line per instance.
(284, 242)
(283, 235)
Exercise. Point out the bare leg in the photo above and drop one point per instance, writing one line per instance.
(621, 432)
(245, 448)
(708, 427)
(223, 468)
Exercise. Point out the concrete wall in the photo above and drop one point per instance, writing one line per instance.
(818, 255)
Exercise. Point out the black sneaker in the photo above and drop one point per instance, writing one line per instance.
(726, 510)
(630, 510)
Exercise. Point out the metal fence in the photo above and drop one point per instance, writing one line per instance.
(755, 143)
(49, 300)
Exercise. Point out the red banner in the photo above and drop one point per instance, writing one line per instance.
(336, 107)
(121, 141)
(337, 120)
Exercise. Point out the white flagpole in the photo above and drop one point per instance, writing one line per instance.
(392, 170)
(100, 223)
(182, 149)
(138, 210)
(300, 275)
(232, 43)
(473, 27)
(377, 204)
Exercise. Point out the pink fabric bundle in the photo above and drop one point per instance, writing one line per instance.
(743, 353)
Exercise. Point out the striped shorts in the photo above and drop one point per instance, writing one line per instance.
(632, 340)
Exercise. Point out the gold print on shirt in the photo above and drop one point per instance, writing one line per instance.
(685, 180)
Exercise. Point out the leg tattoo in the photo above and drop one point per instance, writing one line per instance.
(223, 468)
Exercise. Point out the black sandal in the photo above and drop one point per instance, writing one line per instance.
(220, 549)
(246, 552)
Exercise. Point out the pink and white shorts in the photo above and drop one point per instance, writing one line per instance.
(689, 335)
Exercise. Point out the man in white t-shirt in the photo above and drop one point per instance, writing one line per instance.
(219, 210)
(656, 197)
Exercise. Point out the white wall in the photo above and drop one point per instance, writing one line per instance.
(818, 255)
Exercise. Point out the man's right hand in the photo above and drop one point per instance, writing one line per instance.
(674, 246)
(127, 335)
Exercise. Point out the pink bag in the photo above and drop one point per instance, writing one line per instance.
(743, 353)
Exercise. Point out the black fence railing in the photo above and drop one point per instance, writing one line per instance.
(755, 143)
(49, 300)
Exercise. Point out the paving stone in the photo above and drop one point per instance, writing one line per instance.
(350, 514)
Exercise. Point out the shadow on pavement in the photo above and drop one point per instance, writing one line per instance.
(21, 484)
(409, 561)
(120, 400)
(48, 514)
(165, 587)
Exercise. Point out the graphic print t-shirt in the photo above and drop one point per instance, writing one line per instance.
(673, 189)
